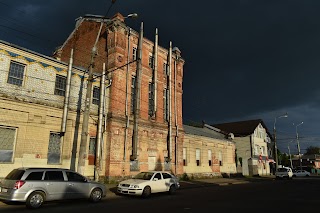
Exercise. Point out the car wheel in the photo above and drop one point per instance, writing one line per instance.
(35, 200)
(96, 195)
(172, 189)
(146, 192)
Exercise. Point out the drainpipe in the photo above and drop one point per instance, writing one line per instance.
(126, 107)
(100, 122)
(155, 72)
(175, 114)
(170, 111)
(134, 156)
(66, 100)
(67, 96)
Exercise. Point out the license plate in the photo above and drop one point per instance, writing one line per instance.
(3, 190)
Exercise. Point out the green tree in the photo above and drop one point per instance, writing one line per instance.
(312, 150)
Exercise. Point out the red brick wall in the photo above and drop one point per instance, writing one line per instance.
(82, 41)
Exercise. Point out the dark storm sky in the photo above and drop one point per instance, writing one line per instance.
(244, 59)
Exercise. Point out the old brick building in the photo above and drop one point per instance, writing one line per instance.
(160, 112)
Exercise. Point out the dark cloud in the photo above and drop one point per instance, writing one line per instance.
(244, 58)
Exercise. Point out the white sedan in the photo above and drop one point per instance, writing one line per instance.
(301, 173)
(146, 183)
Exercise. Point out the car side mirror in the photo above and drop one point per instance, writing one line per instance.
(155, 179)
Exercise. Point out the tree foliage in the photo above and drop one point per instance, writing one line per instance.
(312, 150)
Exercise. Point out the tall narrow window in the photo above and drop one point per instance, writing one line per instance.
(60, 86)
(151, 61)
(54, 148)
(16, 73)
(165, 105)
(133, 92)
(165, 73)
(134, 53)
(96, 95)
(220, 158)
(198, 157)
(209, 157)
(92, 151)
(184, 156)
(7, 140)
(151, 99)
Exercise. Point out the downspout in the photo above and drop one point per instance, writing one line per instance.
(66, 99)
(126, 107)
(136, 114)
(100, 122)
(170, 111)
(175, 114)
(155, 72)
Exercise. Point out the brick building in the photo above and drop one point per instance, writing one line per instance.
(160, 112)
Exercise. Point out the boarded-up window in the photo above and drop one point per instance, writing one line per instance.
(184, 156)
(7, 139)
(198, 157)
(209, 157)
(54, 148)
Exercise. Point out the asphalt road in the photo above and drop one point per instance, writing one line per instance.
(269, 195)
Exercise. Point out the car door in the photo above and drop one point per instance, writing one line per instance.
(77, 185)
(157, 183)
(55, 184)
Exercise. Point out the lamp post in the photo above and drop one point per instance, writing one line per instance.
(275, 137)
(299, 144)
(290, 154)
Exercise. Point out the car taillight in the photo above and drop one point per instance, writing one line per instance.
(18, 184)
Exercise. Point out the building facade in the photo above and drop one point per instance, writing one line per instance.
(253, 148)
(37, 128)
(207, 152)
(158, 125)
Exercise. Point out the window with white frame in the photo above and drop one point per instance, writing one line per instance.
(96, 95)
(209, 157)
(184, 156)
(7, 141)
(220, 158)
(60, 85)
(263, 150)
(198, 157)
(54, 148)
(16, 73)
(256, 149)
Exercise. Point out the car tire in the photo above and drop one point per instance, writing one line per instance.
(172, 189)
(146, 192)
(35, 200)
(96, 195)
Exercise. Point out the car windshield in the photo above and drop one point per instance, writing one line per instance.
(143, 176)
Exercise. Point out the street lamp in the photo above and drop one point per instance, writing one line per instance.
(299, 144)
(275, 137)
(290, 154)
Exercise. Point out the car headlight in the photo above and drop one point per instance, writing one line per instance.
(134, 186)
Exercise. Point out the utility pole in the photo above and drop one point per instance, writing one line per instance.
(86, 113)
(133, 156)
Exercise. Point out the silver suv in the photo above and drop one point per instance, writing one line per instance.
(37, 185)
